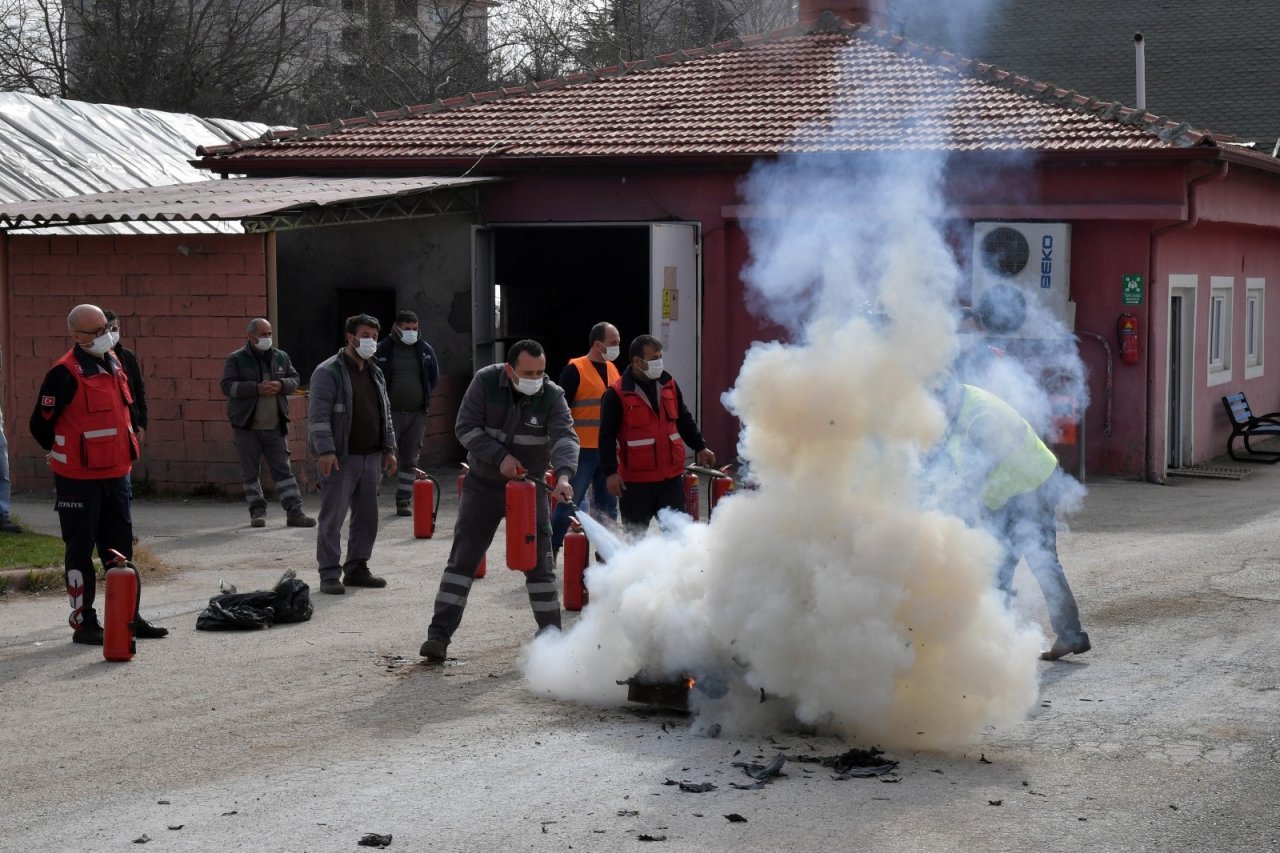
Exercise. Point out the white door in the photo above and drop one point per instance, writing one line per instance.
(484, 335)
(675, 303)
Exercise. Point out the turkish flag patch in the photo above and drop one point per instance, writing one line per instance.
(48, 401)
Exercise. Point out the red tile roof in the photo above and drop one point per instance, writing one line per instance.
(825, 86)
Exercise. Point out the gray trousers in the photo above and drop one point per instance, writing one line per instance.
(410, 427)
(253, 445)
(483, 506)
(353, 486)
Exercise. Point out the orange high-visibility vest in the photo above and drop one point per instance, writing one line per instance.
(585, 405)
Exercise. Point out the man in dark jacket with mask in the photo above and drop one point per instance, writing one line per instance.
(513, 421)
(410, 367)
(258, 379)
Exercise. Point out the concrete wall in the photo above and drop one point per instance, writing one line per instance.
(183, 302)
(425, 262)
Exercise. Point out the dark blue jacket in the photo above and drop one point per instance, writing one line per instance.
(429, 367)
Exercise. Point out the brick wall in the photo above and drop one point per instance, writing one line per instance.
(183, 303)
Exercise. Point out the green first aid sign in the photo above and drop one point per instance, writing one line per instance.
(1131, 294)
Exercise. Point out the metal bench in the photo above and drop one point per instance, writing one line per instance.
(1244, 424)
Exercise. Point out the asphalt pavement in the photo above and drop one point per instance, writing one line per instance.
(308, 736)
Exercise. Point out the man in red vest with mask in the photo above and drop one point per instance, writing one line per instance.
(644, 428)
(83, 419)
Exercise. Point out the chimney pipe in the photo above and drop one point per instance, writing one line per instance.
(873, 12)
(1140, 61)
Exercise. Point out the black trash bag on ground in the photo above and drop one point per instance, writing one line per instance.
(238, 611)
(293, 600)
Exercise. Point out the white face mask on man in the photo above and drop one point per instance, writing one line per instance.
(366, 347)
(115, 336)
(409, 336)
(263, 343)
(653, 368)
(611, 353)
(101, 344)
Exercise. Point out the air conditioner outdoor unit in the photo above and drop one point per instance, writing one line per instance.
(1022, 278)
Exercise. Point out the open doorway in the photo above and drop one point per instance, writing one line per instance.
(1182, 324)
(553, 282)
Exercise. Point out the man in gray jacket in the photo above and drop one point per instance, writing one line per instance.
(258, 379)
(353, 441)
(513, 420)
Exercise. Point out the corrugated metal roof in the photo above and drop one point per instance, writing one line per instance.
(220, 200)
(52, 148)
(825, 86)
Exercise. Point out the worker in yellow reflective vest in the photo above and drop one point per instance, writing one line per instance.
(1002, 464)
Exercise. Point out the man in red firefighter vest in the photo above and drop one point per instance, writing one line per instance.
(644, 428)
(83, 419)
(584, 380)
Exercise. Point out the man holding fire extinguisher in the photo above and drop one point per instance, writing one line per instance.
(513, 421)
(84, 419)
(644, 427)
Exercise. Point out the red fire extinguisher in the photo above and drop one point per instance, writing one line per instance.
(692, 495)
(720, 487)
(121, 608)
(551, 490)
(462, 478)
(522, 524)
(1127, 332)
(575, 566)
(426, 504)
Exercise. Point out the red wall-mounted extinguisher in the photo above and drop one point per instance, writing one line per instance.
(522, 524)
(121, 608)
(426, 504)
(692, 495)
(575, 567)
(462, 478)
(1127, 332)
(720, 487)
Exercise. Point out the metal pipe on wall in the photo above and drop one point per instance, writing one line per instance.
(1140, 68)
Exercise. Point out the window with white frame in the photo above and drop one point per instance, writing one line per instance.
(1255, 326)
(1220, 304)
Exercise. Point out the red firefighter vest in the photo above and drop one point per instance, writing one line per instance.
(649, 446)
(585, 406)
(93, 438)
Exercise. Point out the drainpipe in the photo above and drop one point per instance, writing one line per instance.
(1140, 66)
(1193, 218)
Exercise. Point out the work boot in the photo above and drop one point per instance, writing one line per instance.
(434, 650)
(8, 525)
(146, 631)
(90, 632)
(358, 574)
(257, 516)
(332, 586)
(1063, 647)
(298, 518)
(404, 508)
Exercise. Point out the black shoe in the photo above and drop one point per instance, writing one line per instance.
(404, 509)
(90, 632)
(359, 575)
(258, 517)
(8, 525)
(300, 519)
(332, 586)
(1063, 647)
(434, 650)
(146, 631)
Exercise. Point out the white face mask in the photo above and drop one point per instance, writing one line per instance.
(654, 370)
(101, 344)
(115, 336)
(528, 387)
(263, 344)
(366, 347)
(611, 353)
(409, 336)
